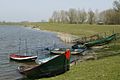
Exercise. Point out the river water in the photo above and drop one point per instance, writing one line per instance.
(13, 39)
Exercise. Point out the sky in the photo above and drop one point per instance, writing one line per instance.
(37, 10)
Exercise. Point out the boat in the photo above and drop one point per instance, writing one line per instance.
(78, 51)
(18, 57)
(57, 51)
(101, 41)
(78, 46)
(54, 66)
(62, 50)
(83, 40)
(21, 57)
(44, 60)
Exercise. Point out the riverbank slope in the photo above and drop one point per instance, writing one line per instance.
(102, 69)
(78, 29)
(106, 68)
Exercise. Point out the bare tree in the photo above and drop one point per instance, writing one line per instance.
(102, 17)
(110, 16)
(97, 16)
(91, 16)
(56, 17)
(72, 15)
(116, 5)
(81, 16)
(63, 16)
(51, 20)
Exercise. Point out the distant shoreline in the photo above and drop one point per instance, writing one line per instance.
(65, 37)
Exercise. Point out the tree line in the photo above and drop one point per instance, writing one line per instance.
(77, 16)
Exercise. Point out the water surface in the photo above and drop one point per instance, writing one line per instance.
(14, 38)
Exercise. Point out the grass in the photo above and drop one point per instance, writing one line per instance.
(107, 68)
(79, 29)
(102, 69)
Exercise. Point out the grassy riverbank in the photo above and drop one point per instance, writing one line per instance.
(79, 29)
(102, 69)
(107, 68)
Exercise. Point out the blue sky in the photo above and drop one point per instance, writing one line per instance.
(37, 10)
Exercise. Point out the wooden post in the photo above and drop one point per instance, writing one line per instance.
(26, 46)
(115, 36)
(113, 31)
(105, 34)
(19, 44)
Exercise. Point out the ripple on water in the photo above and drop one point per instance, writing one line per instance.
(9, 43)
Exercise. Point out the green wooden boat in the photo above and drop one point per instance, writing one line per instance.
(58, 51)
(56, 65)
(100, 41)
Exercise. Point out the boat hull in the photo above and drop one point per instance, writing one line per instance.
(101, 41)
(21, 58)
(73, 52)
(53, 67)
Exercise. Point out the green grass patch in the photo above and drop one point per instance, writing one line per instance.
(102, 69)
(79, 29)
(114, 47)
(111, 50)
